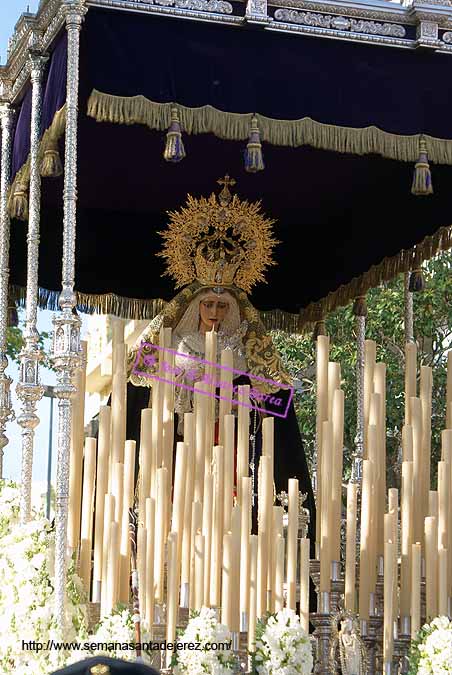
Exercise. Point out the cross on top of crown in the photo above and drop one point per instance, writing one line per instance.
(226, 181)
(225, 195)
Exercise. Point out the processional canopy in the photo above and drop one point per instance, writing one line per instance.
(347, 142)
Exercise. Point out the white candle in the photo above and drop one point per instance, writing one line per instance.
(366, 524)
(117, 488)
(443, 504)
(141, 568)
(245, 540)
(442, 582)
(113, 567)
(410, 377)
(217, 532)
(370, 350)
(292, 534)
(433, 504)
(243, 436)
(416, 422)
(226, 595)
(264, 529)
(172, 593)
(426, 410)
(253, 594)
(336, 487)
(326, 513)
(207, 522)
(407, 537)
(229, 423)
(109, 514)
(389, 582)
(323, 348)
(129, 477)
(76, 455)
(89, 473)
(415, 590)
(147, 460)
(235, 569)
(212, 373)
(350, 551)
(101, 490)
(407, 443)
(200, 442)
(226, 375)
(118, 402)
(160, 518)
(150, 547)
(279, 573)
(188, 501)
(196, 528)
(449, 391)
(380, 389)
(431, 568)
(304, 584)
(334, 382)
(177, 522)
(199, 571)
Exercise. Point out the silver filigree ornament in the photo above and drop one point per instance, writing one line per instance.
(67, 355)
(6, 409)
(341, 23)
(357, 466)
(29, 389)
(447, 37)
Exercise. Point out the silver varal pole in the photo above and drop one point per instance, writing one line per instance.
(6, 409)
(67, 354)
(29, 389)
(359, 439)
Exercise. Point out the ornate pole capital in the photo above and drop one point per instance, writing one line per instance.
(74, 11)
(6, 409)
(37, 63)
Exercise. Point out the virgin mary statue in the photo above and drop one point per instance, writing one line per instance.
(217, 249)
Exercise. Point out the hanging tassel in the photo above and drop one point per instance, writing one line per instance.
(254, 160)
(417, 281)
(51, 166)
(422, 179)
(18, 202)
(360, 306)
(174, 148)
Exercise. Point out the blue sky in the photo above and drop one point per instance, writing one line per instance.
(10, 11)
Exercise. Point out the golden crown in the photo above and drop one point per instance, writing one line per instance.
(219, 241)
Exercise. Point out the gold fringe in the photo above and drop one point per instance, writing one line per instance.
(292, 133)
(49, 138)
(387, 270)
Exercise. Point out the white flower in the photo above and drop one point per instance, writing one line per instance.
(26, 591)
(435, 649)
(284, 647)
(204, 628)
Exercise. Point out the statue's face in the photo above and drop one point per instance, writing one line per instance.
(212, 311)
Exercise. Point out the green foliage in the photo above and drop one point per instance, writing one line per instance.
(385, 325)
(15, 341)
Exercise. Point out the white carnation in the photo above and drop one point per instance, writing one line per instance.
(284, 647)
